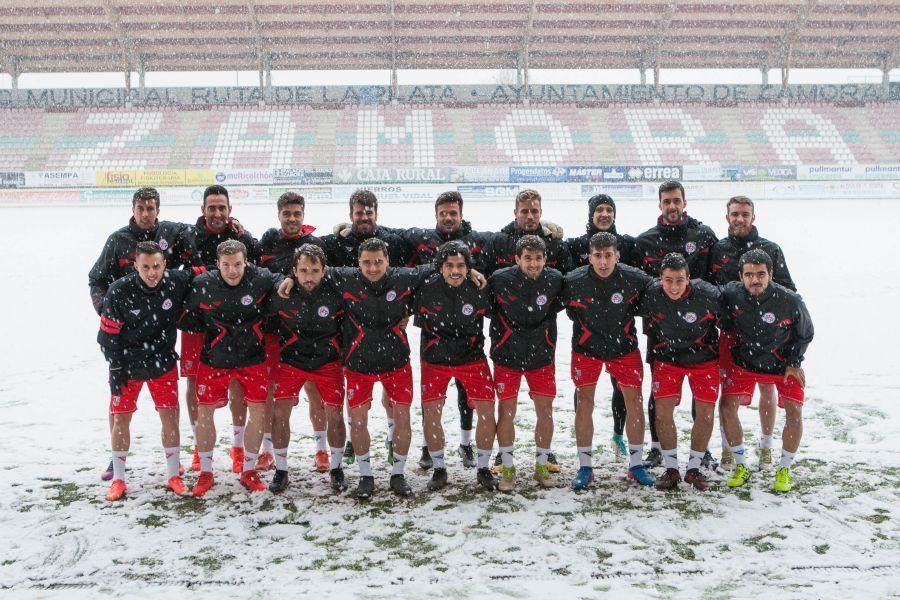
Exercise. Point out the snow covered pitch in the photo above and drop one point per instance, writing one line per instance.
(836, 535)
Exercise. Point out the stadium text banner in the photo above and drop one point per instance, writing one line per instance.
(159, 177)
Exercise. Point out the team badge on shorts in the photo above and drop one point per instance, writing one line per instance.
(501, 387)
(163, 244)
(655, 386)
(616, 298)
(201, 389)
(468, 309)
(390, 296)
(350, 394)
(541, 300)
(323, 311)
(188, 364)
(768, 318)
(690, 317)
(167, 304)
(690, 247)
(577, 373)
(247, 300)
(116, 400)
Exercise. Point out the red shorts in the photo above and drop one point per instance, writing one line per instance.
(273, 350)
(328, 379)
(397, 383)
(741, 382)
(212, 384)
(726, 343)
(541, 382)
(628, 370)
(703, 379)
(163, 390)
(475, 378)
(191, 345)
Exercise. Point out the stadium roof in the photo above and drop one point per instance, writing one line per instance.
(192, 35)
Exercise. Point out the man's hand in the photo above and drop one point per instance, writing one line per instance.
(797, 373)
(284, 289)
(117, 379)
(342, 229)
(478, 279)
(552, 230)
(236, 227)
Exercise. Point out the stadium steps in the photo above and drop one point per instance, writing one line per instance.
(737, 138)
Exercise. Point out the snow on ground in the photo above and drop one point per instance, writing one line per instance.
(836, 534)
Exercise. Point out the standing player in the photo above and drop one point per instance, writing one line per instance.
(525, 301)
(682, 316)
(214, 226)
(308, 324)
(602, 217)
(675, 231)
(137, 336)
(118, 255)
(772, 331)
(724, 257)
(450, 309)
(227, 305)
(601, 299)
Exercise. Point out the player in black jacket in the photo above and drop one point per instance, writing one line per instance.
(682, 316)
(137, 337)
(602, 217)
(724, 256)
(227, 306)
(525, 302)
(675, 231)
(772, 329)
(451, 309)
(601, 299)
(308, 326)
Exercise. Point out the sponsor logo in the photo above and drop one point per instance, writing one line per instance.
(690, 247)
(390, 296)
(323, 311)
(468, 309)
(167, 304)
(768, 318)
(247, 300)
(690, 317)
(135, 312)
(541, 300)
(163, 244)
(616, 298)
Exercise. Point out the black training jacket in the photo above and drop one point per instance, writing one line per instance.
(725, 254)
(500, 250)
(308, 325)
(690, 238)
(275, 250)
(423, 243)
(684, 332)
(452, 321)
(580, 247)
(203, 244)
(343, 251)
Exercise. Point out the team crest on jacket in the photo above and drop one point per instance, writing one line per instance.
(541, 300)
(390, 296)
(468, 309)
(163, 244)
(690, 317)
(616, 298)
(690, 247)
(323, 311)
(247, 300)
(167, 304)
(768, 318)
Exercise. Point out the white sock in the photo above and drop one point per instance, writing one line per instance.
(337, 455)
(739, 452)
(484, 458)
(119, 464)
(635, 455)
(206, 462)
(787, 458)
(250, 459)
(695, 459)
(267, 445)
(173, 461)
(281, 458)
(655, 445)
(321, 440)
(399, 465)
(540, 455)
(437, 458)
(506, 456)
(765, 441)
(365, 464)
(585, 456)
(238, 433)
(465, 437)
(670, 458)
(390, 436)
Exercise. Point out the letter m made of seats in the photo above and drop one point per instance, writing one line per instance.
(378, 144)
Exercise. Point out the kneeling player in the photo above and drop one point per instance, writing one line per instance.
(451, 310)
(137, 336)
(227, 305)
(682, 316)
(772, 330)
(309, 332)
(601, 299)
(525, 301)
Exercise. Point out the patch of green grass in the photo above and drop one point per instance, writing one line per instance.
(821, 549)
(209, 559)
(153, 521)
(683, 550)
(66, 493)
(877, 519)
